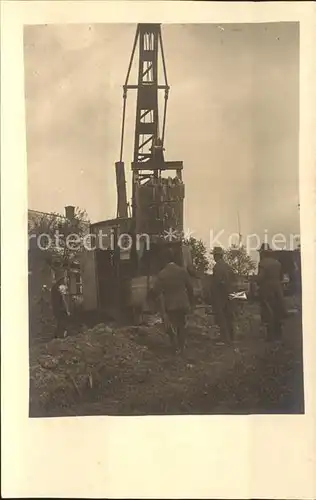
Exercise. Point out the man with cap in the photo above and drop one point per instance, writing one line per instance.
(173, 286)
(271, 292)
(223, 278)
(59, 304)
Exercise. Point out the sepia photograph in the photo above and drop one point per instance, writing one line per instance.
(164, 247)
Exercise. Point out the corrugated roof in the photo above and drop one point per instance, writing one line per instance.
(39, 213)
(34, 215)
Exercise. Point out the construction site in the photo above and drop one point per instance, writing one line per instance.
(115, 359)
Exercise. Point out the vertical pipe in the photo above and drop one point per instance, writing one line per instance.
(164, 117)
(123, 124)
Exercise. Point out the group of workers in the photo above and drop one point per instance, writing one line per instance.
(173, 288)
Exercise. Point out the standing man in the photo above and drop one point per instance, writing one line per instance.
(60, 305)
(271, 293)
(223, 278)
(173, 287)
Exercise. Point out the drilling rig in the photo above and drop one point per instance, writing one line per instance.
(157, 187)
(154, 218)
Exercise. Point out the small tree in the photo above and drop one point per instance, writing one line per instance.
(241, 263)
(199, 254)
(49, 249)
(55, 240)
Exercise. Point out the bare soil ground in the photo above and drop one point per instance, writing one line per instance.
(130, 371)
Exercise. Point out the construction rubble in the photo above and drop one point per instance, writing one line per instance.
(102, 359)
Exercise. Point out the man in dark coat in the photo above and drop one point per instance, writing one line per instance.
(271, 293)
(60, 305)
(173, 287)
(223, 278)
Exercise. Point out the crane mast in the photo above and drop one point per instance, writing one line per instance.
(157, 202)
(147, 112)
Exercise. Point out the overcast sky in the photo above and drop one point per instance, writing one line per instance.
(232, 119)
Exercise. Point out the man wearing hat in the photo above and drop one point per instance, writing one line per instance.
(223, 278)
(59, 304)
(174, 288)
(271, 292)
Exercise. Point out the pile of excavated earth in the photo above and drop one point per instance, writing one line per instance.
(103, 359)
(64, 369)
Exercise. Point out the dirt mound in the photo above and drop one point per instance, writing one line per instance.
(246, 319)
(63, 370)
(104, 363)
